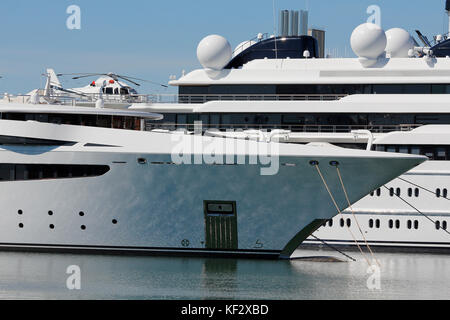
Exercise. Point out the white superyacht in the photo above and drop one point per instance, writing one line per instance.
(77, 179)
(392, 97)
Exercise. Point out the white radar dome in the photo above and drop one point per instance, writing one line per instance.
(399, 42)
(368, 41)
(214, 52)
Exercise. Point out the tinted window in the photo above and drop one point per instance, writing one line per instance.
(22, 172)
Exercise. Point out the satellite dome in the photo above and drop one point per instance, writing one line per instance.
(399, 42)
(368, 41)
(214, 52)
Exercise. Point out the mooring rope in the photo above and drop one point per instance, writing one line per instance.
(316, 165)
(354, 216)
(329, 245)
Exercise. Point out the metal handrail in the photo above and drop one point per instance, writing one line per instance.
(150, 125)
(175, 98)
(264, 37)
(202, 98)
(64, 99)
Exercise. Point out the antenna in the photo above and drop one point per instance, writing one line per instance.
(275, 29)
(447, 9)
(424, 39)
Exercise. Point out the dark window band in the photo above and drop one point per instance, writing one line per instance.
(25, 172)
(433, 152)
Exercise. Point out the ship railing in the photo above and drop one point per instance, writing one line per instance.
(249, 43)
(72, 99)
(202, 98)
(69, 99)
(150, 125)
(107, 98)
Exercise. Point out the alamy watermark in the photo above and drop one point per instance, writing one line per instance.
(199, 149)
(73, 22)
(374, 280)
(73, 281)
(374, 12)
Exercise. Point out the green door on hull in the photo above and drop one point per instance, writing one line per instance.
(221, 225)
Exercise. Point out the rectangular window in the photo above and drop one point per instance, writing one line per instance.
(215, 120)
(441, 154)
(7, 173)
(182, 120)
(403, 149)
(387, 88)
(391, 149)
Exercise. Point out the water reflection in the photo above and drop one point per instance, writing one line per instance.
(217, 274)
(43, 276)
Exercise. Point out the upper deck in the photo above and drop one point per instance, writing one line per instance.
(324, 71)
(75, 115)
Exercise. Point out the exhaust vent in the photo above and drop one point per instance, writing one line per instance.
(293, 23)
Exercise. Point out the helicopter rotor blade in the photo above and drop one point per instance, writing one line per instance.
(152, 82)
(127, 79)
(87, 76)
(113, 76)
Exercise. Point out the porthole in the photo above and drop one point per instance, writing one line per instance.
(83, 227)
(142, 161)
(20, 212)
(391, 224)
(377, 223)
(371, 223)
(52, 226)
(409, 224)
(330, 222)
(398, 192)
(114, 221)
(444, 193)
(378, 192)
(438, 193)
(50, 213)
(349, 223)
(391, 192)
(416, 192)
(397, 224)
(21, 225)
(438, 225)
(444, 225)
(410, 192)
(416, 224)
(81, 214)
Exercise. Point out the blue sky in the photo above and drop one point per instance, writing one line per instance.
(155, 39)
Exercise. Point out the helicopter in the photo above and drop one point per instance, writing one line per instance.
(112, 89)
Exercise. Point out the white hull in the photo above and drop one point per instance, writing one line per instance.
(158, 206)
(414, 230)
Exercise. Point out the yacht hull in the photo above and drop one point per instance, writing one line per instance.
(409, 214)
(157, 207)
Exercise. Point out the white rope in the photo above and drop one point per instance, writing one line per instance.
(354, 216)
(340, 212)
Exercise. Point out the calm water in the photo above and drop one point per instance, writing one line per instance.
(43, 276)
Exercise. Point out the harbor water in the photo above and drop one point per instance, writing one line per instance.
(49, 276)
